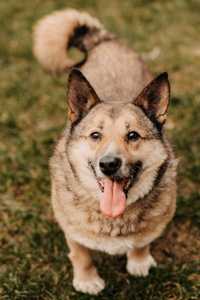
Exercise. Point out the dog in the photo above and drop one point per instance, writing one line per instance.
(113, 171)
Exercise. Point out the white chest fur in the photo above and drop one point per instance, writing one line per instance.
(110, 245)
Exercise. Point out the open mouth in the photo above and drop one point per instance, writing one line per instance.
(124, 182)
(114, 190)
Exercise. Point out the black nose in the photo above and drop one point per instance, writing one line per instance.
(109, 165)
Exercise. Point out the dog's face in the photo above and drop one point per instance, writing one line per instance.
(116, 149)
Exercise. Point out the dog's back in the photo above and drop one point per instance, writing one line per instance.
(115, 71)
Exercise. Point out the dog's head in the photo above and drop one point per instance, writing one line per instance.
(116, 149)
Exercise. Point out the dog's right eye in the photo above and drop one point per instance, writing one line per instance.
(96, 135)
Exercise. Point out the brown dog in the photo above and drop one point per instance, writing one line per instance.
(113, 171)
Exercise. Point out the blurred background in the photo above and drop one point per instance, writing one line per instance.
(33, 254)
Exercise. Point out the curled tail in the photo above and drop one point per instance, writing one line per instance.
(56, 33)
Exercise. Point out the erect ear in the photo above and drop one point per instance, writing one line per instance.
(81, 96)
(154, 99)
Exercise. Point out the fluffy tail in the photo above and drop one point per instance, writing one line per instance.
(56, 33)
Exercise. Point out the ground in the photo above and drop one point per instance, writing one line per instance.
(33, 254)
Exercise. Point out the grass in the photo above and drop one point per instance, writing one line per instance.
(33, 254)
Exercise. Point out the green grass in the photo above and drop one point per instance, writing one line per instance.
(33, 254)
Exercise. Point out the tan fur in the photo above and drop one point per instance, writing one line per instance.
(86, 278)
(117, 76)
(139, 261)
(52, 34)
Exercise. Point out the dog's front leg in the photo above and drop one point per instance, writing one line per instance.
(86, 278)
(139, 261)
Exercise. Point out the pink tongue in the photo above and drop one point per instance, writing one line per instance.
(113, 200)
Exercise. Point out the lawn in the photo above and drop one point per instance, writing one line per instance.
(33, 253)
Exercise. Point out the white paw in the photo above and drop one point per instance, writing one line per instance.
(91, 286)
(140, 267)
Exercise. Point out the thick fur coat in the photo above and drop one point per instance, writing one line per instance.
(115, 109)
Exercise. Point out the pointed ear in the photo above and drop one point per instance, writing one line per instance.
(154, 99)
(81, 96)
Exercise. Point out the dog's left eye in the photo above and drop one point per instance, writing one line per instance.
(133, 136)
(96, 135)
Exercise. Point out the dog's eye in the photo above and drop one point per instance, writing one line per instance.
(96, 135)
(133, 136)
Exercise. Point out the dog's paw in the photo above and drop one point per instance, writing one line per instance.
(91, 286)
(140, 267)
